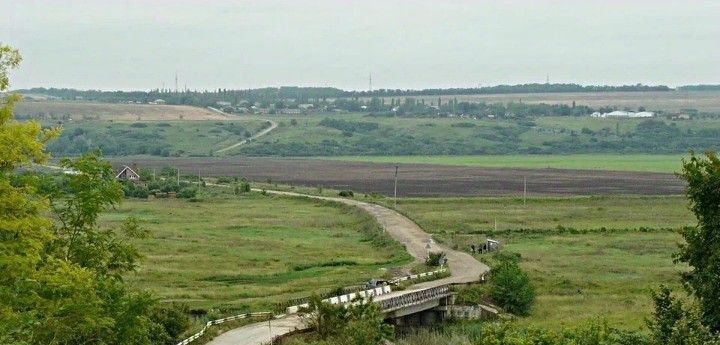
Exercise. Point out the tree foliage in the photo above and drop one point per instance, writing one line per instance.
(358, 323)
(511, 288)
(702, 248)
(673, 323)
(61, 275)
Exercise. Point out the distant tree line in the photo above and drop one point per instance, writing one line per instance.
(272, 95)
(700, 87)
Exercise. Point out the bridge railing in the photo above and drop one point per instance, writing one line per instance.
(227, 319)
(415, 297)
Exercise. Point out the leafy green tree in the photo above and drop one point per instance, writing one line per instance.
(702, 248)
(511, 288)
(668, 311)
(61, 277)
(244, 187)
(674, 323)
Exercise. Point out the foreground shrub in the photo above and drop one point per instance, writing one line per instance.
(472, 333)
(511, 288)
(187, 193)
(435, 259)
(356, 324)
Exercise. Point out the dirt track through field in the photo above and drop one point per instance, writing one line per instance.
(265, 131)
(420, 180)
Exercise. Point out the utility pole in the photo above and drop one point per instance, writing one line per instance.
(370, 81)
(524, 189)
(199, 179)
(395, 193)
(178, 177)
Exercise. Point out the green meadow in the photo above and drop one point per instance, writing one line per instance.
(589, 257)
(157, 138)
(667, 163)
(248, 253)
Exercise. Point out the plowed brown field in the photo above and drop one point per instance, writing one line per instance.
(425, 180)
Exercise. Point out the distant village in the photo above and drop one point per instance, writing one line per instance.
(448, 107)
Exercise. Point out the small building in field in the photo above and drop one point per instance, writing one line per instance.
(680, 117)
(623, 114)
(127, 174)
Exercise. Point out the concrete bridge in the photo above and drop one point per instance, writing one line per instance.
(420, 303)
(418, 306)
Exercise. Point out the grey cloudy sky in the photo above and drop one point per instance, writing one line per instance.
(404, 44)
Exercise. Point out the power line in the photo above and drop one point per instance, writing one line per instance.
(395, 194)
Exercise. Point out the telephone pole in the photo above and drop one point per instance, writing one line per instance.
(524, 189)
(370, 81)
(395, 193)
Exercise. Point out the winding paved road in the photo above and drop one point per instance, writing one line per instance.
(463, 268)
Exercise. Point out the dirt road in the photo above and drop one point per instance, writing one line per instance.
(265, 131)
(463, 268)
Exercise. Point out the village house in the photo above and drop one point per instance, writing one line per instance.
(128, 174)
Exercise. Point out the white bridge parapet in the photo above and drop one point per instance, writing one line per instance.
(347, 298)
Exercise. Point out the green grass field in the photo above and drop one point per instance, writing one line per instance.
(618, 162)
(248, 253)
(168, 138)
(466, 215)
(588, 142)
(596, 276)
(580, 274)
(589, 257)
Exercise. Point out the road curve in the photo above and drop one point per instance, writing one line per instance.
(273, 125)
(463, 268)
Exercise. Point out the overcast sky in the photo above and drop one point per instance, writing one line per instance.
(404, 44)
